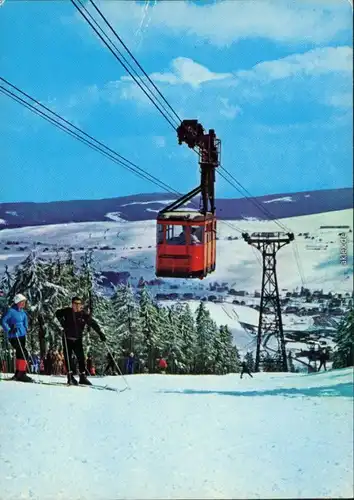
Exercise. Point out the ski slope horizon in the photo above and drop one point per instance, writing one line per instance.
(273, 436)
(145, 206)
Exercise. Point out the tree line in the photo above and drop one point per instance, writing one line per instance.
(132, 320)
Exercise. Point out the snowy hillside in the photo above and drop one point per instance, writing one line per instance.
(126, 251)
(273, 436)
(129, 247)
(146, 205)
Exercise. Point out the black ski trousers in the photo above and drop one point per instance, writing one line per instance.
(19, 344)
(75, 346)
(246, 371)
(322, 363)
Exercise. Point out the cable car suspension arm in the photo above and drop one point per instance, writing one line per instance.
(192, 133)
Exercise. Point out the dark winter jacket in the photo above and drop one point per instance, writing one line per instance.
(15, 322)
(74, 323)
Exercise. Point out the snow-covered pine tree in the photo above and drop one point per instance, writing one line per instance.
(44, 297)
(49, 269)
(70, 267)
(343, 355)
(66, 274)
(219, 355)
(213, 333)
(249, 359)
(103, 312)
(170, 338)
(223, 351)
(6, 281)
(127, 320)
(86, 288)
(149, 328)
(85, 280)
(230, 356)
(188, 337)
(205, 346)
(5, 287)
(235, 360)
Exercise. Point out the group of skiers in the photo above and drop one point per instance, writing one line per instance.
(73, 321)
(53, 363)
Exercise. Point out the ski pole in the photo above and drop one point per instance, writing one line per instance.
(119, 370)
(68, 366)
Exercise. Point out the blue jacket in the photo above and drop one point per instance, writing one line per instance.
(15, 322)
(130, 364)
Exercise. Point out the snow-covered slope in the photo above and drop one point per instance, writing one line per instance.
(130, 247)
(171, 437)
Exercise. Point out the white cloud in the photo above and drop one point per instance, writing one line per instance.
(322, 73)
(225, 22)
(249, 86)
(185, 71)
(316, 62)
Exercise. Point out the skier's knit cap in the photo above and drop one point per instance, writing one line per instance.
(19, 298)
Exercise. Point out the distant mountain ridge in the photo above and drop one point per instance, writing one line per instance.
(146, 206)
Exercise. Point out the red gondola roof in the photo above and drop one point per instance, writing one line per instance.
(185, 215)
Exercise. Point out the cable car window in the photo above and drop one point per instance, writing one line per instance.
(159, 233)
(176, 235)
(196, 235)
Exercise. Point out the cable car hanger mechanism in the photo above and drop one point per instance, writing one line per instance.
(209, 149)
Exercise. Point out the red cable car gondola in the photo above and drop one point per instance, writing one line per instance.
(186, 240)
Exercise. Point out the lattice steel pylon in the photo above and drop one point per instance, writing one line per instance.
(270, 324)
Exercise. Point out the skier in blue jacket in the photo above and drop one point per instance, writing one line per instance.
(15, 325)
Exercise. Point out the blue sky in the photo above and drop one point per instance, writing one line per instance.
(273, 78)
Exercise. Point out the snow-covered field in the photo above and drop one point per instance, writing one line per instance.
(173, 437)
(133, 250)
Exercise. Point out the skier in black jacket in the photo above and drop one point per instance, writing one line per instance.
(73, 320)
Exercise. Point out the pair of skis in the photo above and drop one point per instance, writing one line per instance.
(96, 387)
(64, 384)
